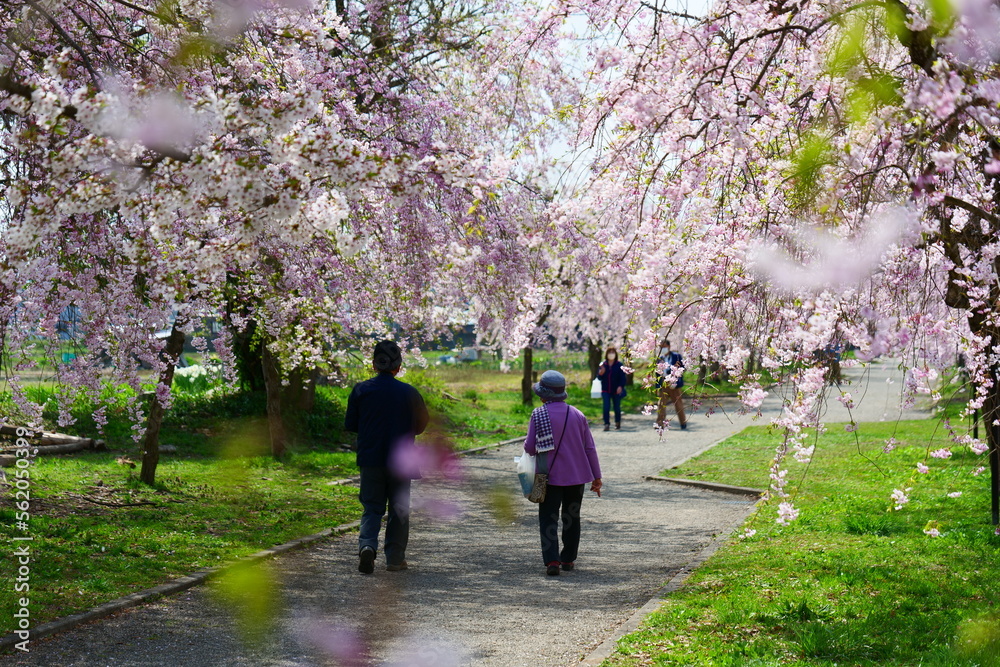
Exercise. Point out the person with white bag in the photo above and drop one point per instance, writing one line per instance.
(612, 375)
(560, 435)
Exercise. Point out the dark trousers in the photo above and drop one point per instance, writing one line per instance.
(381, 489)
(560, 502)
(617, 400)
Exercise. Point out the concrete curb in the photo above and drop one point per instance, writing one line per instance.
(484, 448)
(169, 588)
(632, 623)
(711, 486)
(345, 481)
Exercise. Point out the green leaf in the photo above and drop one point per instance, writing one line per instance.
(942, 14)
(850, 48)
(808, 160)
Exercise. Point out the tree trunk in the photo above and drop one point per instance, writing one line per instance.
(991, 412)
(527, 395)
(151, 445)
(300, 392)
(594, 357)
(272, 384)
(249, 364)
(995, 473)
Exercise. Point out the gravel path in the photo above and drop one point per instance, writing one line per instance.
(476, 593)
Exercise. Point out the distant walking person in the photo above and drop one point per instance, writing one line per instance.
(559, 436)
(613, 378)
(386, 414)
(669, 380)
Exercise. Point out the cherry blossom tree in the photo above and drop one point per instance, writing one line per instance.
(307, 170)
(805, 175)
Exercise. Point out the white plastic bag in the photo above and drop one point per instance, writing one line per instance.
(595, 388)
(526, 472)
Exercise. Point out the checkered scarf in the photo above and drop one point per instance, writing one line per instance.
(544, 439)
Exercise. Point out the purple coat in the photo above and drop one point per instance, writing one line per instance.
(576, 455)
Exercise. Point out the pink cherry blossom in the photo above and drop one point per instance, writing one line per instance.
(786, 513)
(899, 498)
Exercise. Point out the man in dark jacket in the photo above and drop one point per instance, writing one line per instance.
(669, 380)
(386, 414)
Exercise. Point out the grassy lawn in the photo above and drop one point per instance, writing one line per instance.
(849, 582)
(99, 534)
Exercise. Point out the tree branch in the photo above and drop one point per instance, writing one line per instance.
(68, 39)
(972, 208)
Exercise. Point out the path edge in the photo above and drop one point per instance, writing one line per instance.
(169, 588)
(710, 486)
(607, 648)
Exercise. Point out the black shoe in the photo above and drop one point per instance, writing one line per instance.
(568, 567)
(366, 561)
(607, 427)
(618, 426)
(684, 426)
(552, 569)
(397, 567)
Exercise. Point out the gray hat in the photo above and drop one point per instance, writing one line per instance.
(551, 386)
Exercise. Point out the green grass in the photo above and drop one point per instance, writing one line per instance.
(850, 582)
(203, 512)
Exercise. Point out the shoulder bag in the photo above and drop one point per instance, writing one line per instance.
(541, 482)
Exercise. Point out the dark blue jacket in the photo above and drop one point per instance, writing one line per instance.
(672, 360)
(613, 378)
(383, 411)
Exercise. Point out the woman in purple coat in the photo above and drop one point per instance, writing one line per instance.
(559, 436)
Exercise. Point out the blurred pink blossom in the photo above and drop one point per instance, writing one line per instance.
(422, 650)
(407, 460)
(975, 37)
(832, 261)
(412, 461)
(342, 644)
(438, 508)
